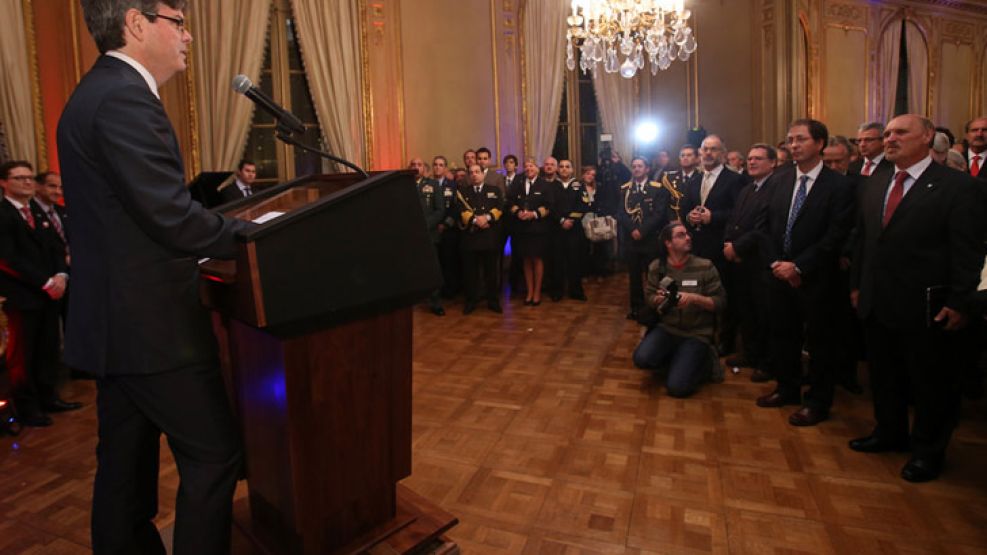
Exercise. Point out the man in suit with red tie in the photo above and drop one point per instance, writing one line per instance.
(33, 275)
(871, 143)
(916, 264)
(976, 147)
(807, 220)
(135, 318)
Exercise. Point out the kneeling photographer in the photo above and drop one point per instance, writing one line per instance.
(686, 295)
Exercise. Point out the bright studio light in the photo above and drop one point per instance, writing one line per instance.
(646, 132)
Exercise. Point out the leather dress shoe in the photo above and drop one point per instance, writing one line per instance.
(38, 420)
(760, 376)
(556, 298)
(875, 444)
(495, 306)
(469, 307)
(632, 315)
(852, 385)
(59, 405)
(808, 416)
(578, 297)
(776, 399)
(921, 469)
(739, 362)
(439, 311)
(529, 302)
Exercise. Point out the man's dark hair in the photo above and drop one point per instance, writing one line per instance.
(647, 164)
(440, 157)
(104, 18)
(695, 151)
(665, 235)
(510, 157)
(772, 153)
(245, 162)
(41, 177)
(7, 166)
(817, 130)
(483, 149)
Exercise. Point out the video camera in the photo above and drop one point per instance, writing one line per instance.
(670, 287)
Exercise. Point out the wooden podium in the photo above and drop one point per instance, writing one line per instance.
(315, 330)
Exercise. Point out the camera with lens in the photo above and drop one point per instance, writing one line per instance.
(670, 288)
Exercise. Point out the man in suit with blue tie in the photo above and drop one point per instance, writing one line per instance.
(806, 222)
(135, 319)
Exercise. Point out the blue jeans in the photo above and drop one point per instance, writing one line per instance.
(688, 360)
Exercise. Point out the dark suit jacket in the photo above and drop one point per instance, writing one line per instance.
(230, 193)
(136, 233)
(820, 229)
(28, 257)
(707, 239)
(470, 204)
(934, 238)
(538, 199)
(741, 228)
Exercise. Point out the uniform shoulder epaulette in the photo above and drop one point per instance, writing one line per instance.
(626, 185)
(654, 184)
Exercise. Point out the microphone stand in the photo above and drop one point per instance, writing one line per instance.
(285, 134)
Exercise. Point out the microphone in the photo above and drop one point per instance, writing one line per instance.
(242, 85)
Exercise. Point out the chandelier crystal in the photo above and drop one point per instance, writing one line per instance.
(610, 30)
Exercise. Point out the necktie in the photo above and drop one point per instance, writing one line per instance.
(247, 191)
(796, 208)
(476, 190)
(28, 217)
(975, 166)
(705, 187)
(527, 187)
(867, 168)
(56, 223)
(894, 199)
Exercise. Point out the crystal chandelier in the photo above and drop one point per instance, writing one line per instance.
(634, 28)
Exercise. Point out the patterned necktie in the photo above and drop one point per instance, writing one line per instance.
(56, 223)
(894, 199)
(28, 217)
(796, 208)
(975, 166)
(867, 168)
(705, 187)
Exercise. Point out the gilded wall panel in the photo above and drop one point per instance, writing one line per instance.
(387, 118)
(448, 77)
(956, 86)
(845, 80)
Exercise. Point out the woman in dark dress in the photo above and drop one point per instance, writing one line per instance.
(528, 200)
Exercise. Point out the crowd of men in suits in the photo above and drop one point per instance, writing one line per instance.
(823, 244)
(34, 263)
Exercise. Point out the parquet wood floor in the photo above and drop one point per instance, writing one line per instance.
(535, 430)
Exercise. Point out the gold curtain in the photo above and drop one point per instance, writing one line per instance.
(544, 26)
(618, 101)
(329, 37)
(16, 108)
(229, 40)
(918, 70)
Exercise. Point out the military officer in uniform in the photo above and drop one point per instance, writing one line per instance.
(449, 259)
(572, 203)
(430, 195)
(643, 212)
(480, 207)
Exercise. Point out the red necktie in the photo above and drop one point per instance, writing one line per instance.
(868, 167)
(56, 223)
(975, 166)
(28, 217)
(894, 199)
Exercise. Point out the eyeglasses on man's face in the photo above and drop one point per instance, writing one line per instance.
(177, 21)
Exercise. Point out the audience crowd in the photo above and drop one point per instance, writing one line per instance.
(796, 260)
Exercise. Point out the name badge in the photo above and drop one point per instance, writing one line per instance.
(427, 189)
(690, 283)
(491, 195)
(447, 192)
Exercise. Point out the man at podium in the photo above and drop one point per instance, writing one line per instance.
(135, 319)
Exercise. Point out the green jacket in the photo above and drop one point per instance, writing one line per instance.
(430, 195)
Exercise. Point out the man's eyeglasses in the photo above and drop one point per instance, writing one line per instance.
(178, 21)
